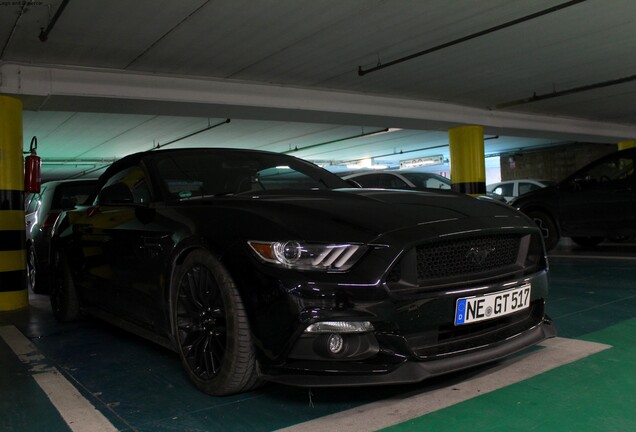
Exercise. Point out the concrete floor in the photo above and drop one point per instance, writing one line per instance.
(90, 376)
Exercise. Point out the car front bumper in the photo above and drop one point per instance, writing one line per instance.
(401, 370)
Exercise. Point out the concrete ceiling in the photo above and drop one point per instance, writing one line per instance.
(118, 76)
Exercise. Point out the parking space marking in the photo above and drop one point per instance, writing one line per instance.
(556, 352)
(78, 413)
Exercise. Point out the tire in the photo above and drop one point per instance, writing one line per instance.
(32, 270)
(547, 226)
(587, 242)
(211, 327)
(63, 296)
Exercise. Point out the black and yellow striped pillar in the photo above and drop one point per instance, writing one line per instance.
(626, 144)
(468, 167)
(13, 289)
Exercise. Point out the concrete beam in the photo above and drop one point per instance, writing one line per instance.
(60, 88)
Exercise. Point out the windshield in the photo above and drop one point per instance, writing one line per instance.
(192, 174)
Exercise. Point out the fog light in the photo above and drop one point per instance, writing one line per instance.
(340, 327)
(336, 343)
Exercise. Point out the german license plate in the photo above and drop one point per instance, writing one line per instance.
(488, 306)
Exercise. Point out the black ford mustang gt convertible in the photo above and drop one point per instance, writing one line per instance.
(258, 266)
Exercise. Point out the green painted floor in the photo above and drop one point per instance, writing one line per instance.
(597, 393)
(141, 387)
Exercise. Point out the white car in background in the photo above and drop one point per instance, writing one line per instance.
(510, 189)
(401, 180)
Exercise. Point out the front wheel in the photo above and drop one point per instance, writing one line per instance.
(547, 226)
(211, 327)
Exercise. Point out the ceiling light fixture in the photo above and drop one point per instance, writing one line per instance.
(366, 163)
(414, 150)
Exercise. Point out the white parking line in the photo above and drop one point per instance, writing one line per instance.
(78, 413)
(557, 352)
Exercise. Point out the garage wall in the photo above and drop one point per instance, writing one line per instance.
(554, 163)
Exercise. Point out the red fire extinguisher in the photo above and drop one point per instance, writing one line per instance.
(32, 169)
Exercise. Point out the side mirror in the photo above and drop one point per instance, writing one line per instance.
(116, 194)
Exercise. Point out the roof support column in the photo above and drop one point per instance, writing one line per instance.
(13, 289)
(626, 144)
(468, 167)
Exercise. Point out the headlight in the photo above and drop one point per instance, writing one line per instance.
(308, 256)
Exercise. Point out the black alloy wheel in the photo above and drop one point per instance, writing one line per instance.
(63, 296)
(211, 327)
(31, 269)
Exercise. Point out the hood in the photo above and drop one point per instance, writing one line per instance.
(353, 215)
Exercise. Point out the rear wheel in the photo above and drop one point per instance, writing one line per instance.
(64, 300)
(31, 270)
(547, 226)
(587, 241)
(211, 327)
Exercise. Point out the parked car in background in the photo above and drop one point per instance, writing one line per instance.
(260, 266)
(511, 189)
(399, 180)
(406, 180)
(41, 212)
(596, 202)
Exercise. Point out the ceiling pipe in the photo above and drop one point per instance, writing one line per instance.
(158, 146)
(13, 29)
(366, 134)
(86, 172)
(362, 72)
(155, 43)
(536, 98)
(44, 34)
(77, 161)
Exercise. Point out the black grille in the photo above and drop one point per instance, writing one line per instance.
(466, 256)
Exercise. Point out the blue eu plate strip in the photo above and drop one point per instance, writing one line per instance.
(460, 312)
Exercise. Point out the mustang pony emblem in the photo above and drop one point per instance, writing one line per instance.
(478, 255)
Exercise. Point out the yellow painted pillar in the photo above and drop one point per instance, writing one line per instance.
(626, 144)
(468, 167)
(13, 288)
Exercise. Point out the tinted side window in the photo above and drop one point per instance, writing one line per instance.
(392, 182)
(527, 187)
(612, 169)
(69, 195)
(368, 181)
(280, 177)
(135, 179)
